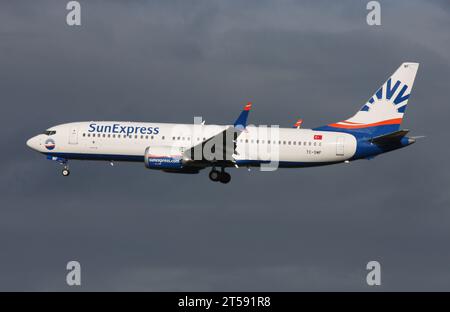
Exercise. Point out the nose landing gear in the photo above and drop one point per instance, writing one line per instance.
(65, 172)
(221, 176)
(62, 161)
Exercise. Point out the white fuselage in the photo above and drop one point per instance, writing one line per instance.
(111, 140)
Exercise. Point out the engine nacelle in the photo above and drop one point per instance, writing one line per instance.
(163, 157)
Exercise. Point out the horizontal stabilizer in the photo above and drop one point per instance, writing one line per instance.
(389, 138)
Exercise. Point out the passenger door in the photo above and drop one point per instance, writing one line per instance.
(73, 135)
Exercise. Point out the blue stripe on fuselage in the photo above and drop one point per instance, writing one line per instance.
(366, 149)
(133, 158)
(285, 164)
(107, 157)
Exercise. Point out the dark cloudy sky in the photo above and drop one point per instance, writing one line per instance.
(291, 230)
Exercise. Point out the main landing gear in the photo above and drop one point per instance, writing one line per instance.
(221, 176)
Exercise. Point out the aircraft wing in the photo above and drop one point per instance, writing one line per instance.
(221, 148)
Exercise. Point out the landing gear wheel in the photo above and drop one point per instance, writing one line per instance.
(65, 172)
(214, 175)
(225, 177)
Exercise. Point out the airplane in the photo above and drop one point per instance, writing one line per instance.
(190, 148)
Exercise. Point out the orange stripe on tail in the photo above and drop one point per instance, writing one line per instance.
(395, 121)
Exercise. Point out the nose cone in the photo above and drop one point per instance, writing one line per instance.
(33, 143)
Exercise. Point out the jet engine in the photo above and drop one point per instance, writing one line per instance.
(164, 157)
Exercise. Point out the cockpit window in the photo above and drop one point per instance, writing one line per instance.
(49, 132)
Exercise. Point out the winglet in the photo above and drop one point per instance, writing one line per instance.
(298, 124)
(241, 121)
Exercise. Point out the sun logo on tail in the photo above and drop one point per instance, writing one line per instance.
(386, 106)
(385, 95)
